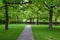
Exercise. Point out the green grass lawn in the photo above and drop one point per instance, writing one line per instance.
(41, 32)
(13, 32)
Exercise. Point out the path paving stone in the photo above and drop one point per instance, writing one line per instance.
(26, 34)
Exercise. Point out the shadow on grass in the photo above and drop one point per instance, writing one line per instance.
(41, 32)
(13, 32)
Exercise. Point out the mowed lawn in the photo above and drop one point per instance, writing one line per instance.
(41, 32)
(13, 32)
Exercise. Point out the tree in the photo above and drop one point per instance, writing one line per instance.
(50, 6)
(6, 2)
(56, 13)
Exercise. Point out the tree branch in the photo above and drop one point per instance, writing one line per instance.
(11, 6)
(58, 6)
(2, 7)
(46, 4)
(21, 3)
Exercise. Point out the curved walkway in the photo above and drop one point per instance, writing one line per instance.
(26, 34)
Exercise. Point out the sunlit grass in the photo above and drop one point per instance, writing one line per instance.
(41, 32)
(13, 32)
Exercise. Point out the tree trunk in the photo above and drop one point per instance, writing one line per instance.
(37, 20)
(57, 15)
(6, 12)
(30, 20)
(37, 17)
(55, 21)
(26, 20)
(50, 18)
(33, 20)
(17, 19)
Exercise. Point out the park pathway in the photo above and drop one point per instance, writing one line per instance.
(26, 34)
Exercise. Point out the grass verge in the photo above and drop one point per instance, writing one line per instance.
(41, 32)
(13, 32)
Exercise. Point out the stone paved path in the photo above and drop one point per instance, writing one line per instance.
(26, 34)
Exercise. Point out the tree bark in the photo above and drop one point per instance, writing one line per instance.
(57, 15)
(37, 20)
(30, 20)
(33, 20)
(55, 21)
(50, 17)
(6, 12)
(17, 19)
